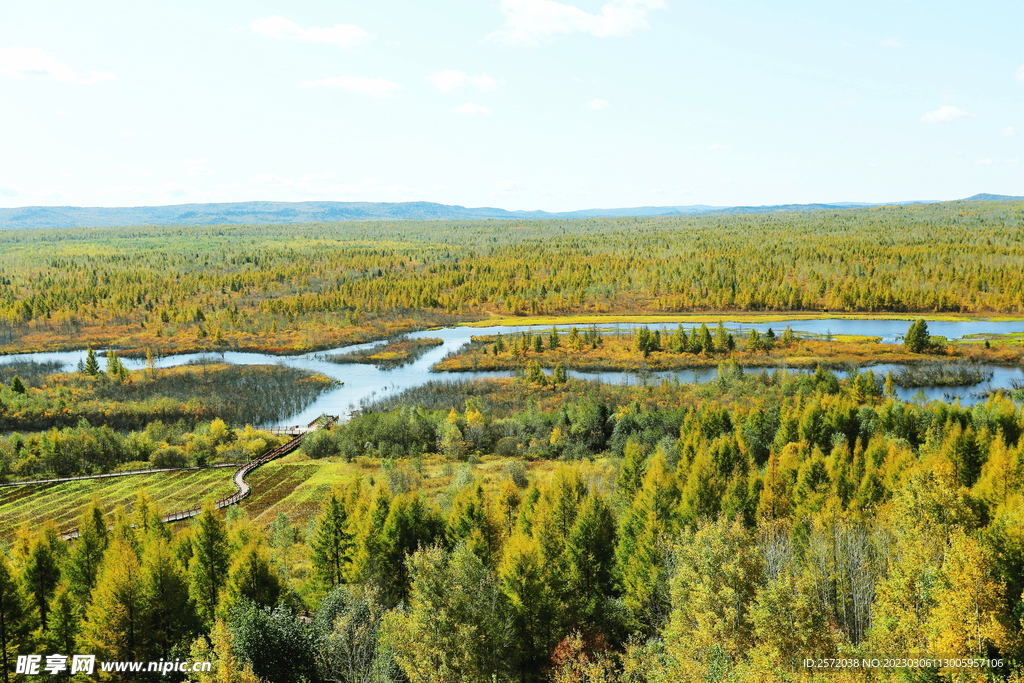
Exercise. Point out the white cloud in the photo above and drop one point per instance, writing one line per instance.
(129, 134)
(983, 162)
(1014, 160)
(374, 87)
(471, 109)
(1007, 132)
(26, 62)
(508, 185)
(946, 114)
(1020, 74)
(344, 35)
(891, 42)
(528, 22)
(449, 81)
(197, 167)
(717, 147)
(597, 104)
(8, 191)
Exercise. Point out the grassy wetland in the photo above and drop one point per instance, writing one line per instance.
(533, 527)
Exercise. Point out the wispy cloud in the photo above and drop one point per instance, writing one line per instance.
(597, 104)
(946, 114)
(346, 36)
(372, 87)
(528, 22)
(983, 162)
(718, 147)
(1007, 132)
(892, 42)
(197, 167)
(450, 80)
(29, 62)
(472, 109)
(1014, 160)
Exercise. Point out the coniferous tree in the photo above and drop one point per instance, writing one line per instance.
(42, 575)
(553, 340)
(17, 386)
(252, 577)
(118, 612)
(332, 544)
(15, 619)
(590, 550)
(208, 567)
(706, 343)
(65, 623)
(87, 551)
(92, 366)
(171, 614)
(917, 339)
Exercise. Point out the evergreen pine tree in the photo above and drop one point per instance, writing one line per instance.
(17, 386)
(171, 615)
(42, 575)
(209, 565)
(252, 578)
(87, 551)
(15, 619)
(92, 366)
(332, 544)
(65, 621)
(917, 339)
(553, 340)
(118, 615)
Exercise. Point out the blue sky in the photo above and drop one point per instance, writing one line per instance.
(522, 104)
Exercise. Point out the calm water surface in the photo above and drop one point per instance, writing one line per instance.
(367, 382)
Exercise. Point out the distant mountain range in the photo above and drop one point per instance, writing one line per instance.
(238, 213)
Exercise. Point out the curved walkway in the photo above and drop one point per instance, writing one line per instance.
(238, 479)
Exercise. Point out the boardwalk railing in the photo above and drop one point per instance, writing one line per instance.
(242, 488)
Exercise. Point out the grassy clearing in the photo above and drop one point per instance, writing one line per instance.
(297, 486)
(63, 503)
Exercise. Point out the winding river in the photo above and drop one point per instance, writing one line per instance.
(367, 382)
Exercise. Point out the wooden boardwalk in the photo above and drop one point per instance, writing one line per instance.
(242, 488)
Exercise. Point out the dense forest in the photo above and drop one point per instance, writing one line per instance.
(281, 288)
(673, 532)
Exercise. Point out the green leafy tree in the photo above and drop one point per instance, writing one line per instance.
(208, 567)
(917, 339)
(42, 574)
(590, 550)
(171, 614)
(92, 366)
(252, 577)
(15, 619)
(65, 623)
(273, 642)
(87, 551)
(456, 626)
(332, 542)
(118, 613)
(532, 610)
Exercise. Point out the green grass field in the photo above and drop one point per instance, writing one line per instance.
(63, 503)
(294, 485)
